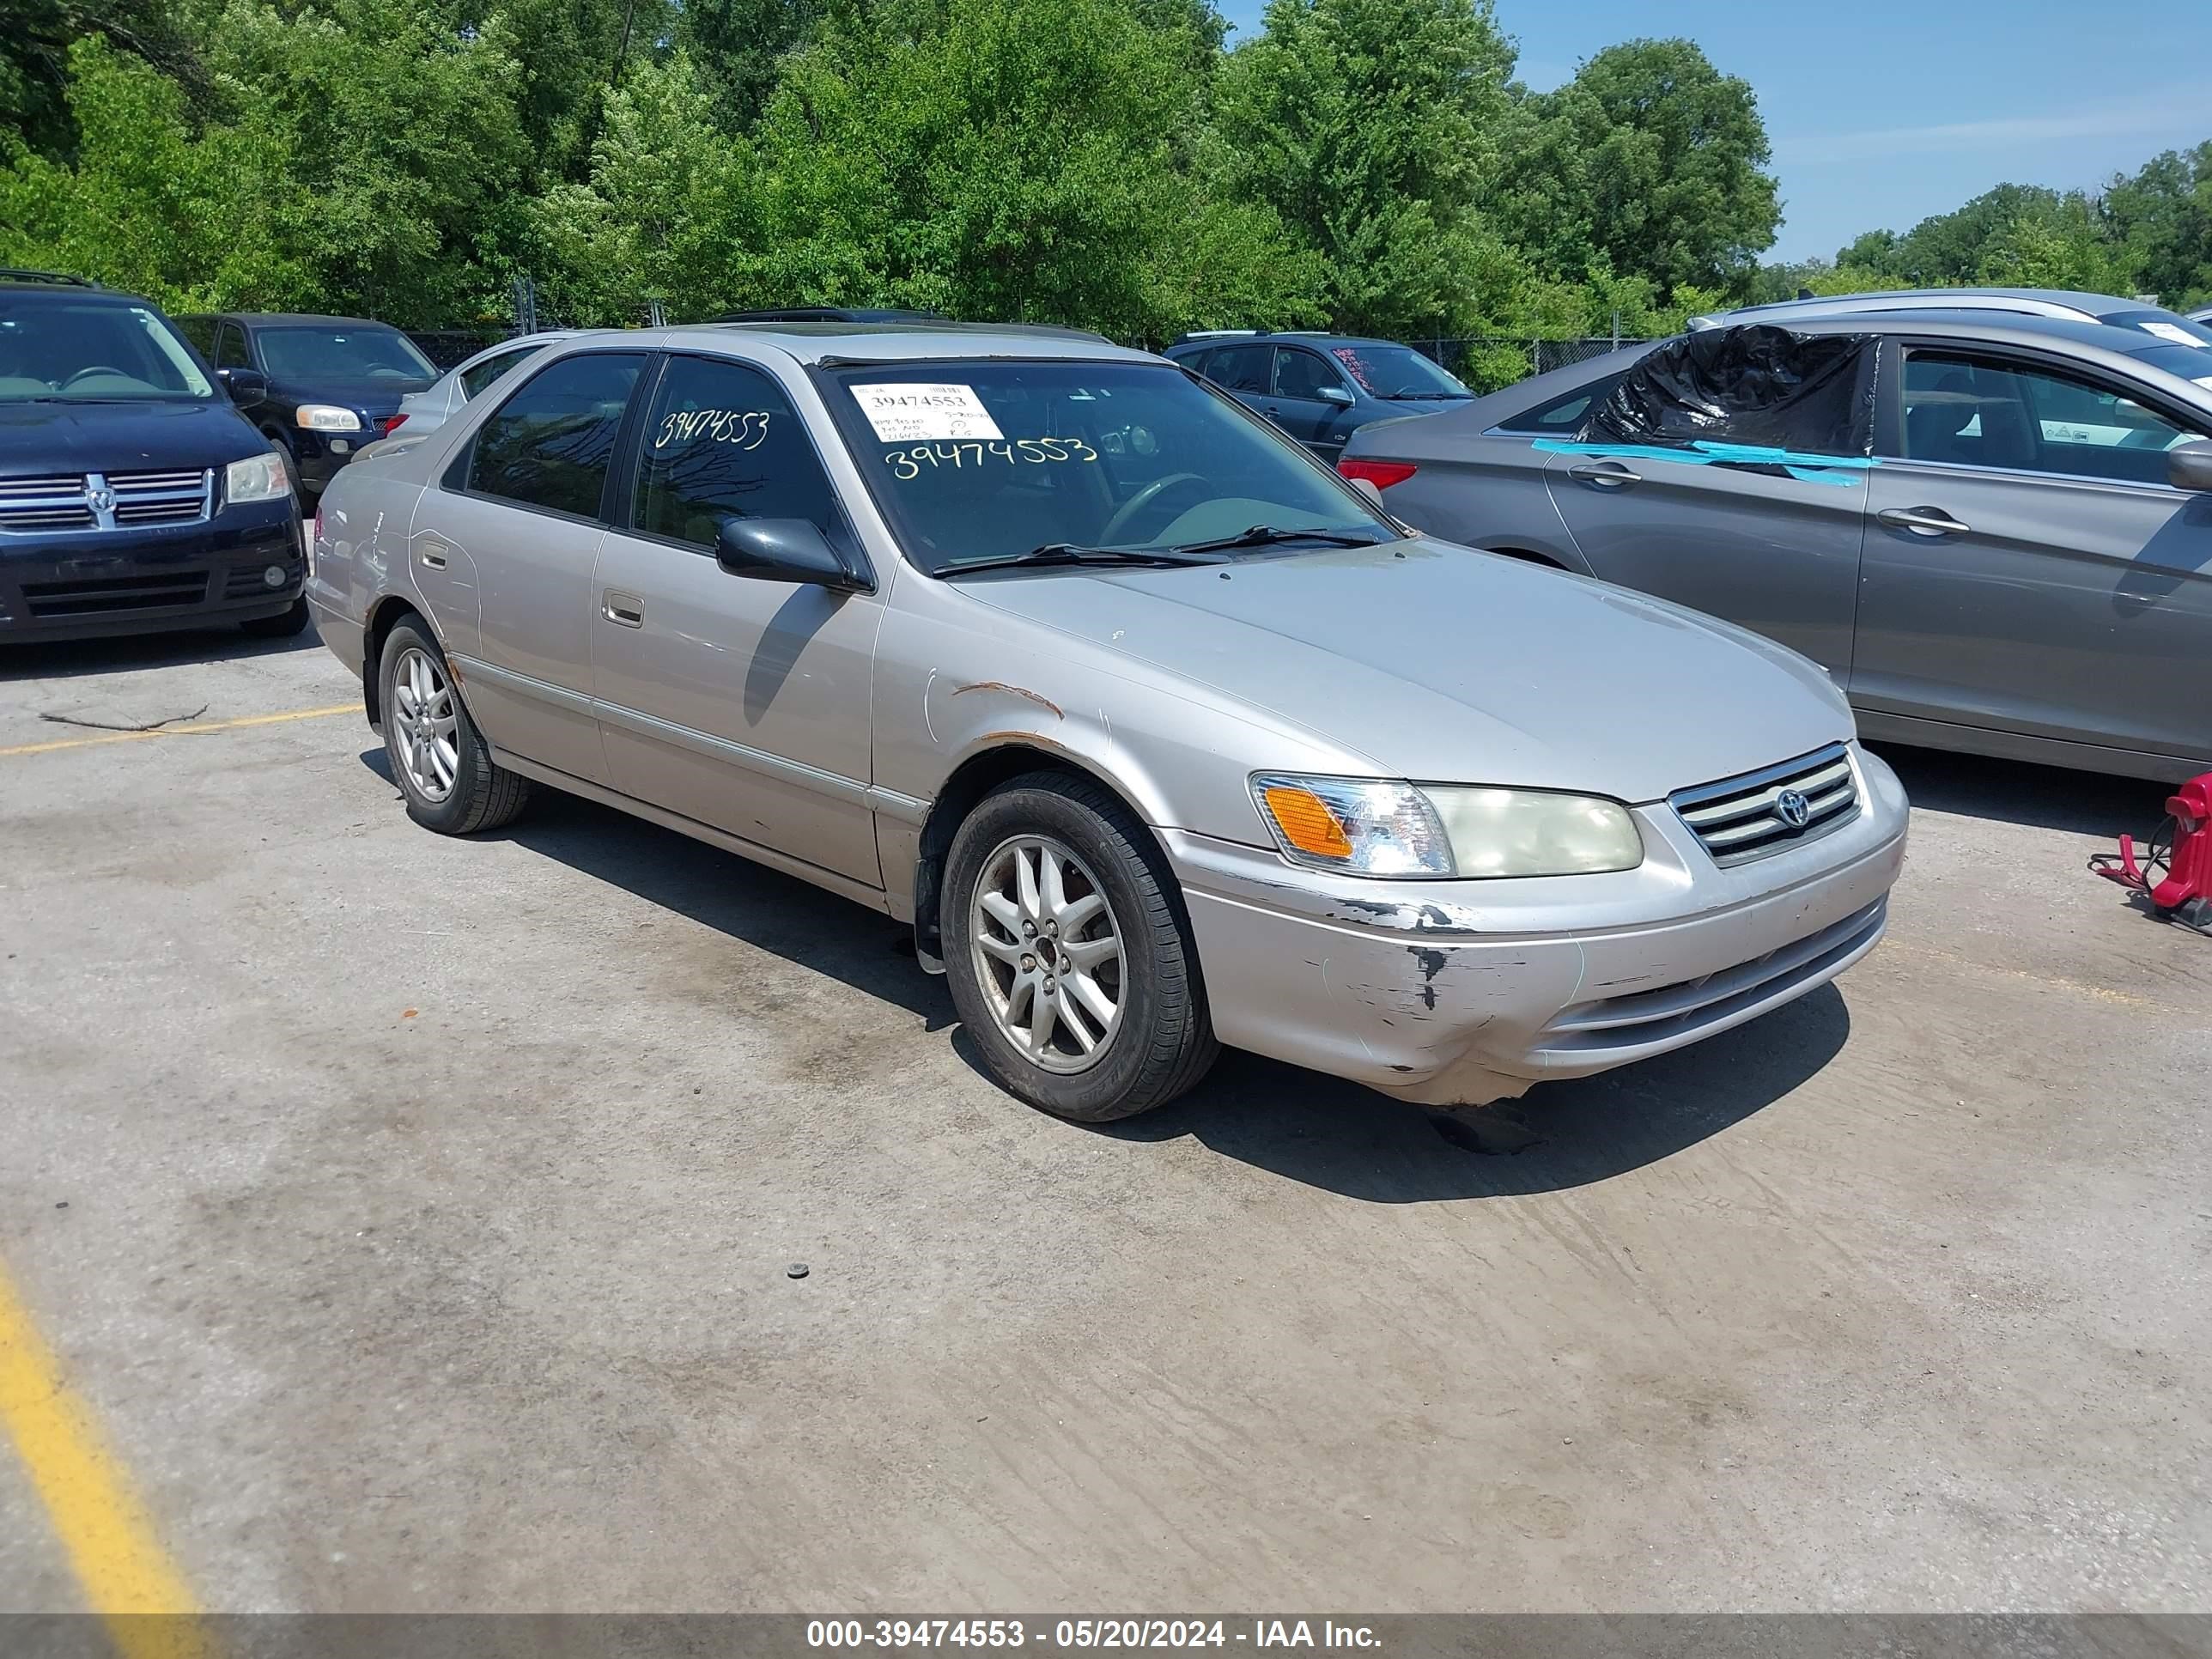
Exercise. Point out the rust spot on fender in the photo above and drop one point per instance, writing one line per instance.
(1041, 701)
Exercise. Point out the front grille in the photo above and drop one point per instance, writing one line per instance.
(1762, 813)
(58, 503)
(160, 497)
(104, 595)
(106, 501)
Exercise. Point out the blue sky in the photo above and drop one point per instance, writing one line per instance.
(1881, 111)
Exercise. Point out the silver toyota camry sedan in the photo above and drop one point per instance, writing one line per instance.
(1159, 733)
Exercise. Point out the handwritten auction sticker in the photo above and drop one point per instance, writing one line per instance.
(903, 412)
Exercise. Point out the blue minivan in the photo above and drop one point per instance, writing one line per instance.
(134, 497)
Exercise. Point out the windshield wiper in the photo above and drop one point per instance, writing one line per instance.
(1067, 553)
(1266, 535)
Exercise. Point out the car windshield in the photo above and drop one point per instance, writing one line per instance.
(974, 461)
(1396, 371)
(323, 352)
(93, 351)
(2191, 363)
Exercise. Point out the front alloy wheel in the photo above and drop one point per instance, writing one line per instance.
(1067, 951)
(1048, 953)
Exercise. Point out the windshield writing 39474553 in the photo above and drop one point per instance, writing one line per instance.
(1013, 451)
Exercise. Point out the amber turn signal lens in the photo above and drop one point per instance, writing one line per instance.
(1306, 822)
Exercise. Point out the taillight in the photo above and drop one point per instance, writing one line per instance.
(392, 423)
(1380, 474)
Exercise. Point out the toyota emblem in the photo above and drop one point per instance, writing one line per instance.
(1793, 809)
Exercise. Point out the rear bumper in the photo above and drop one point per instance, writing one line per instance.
(1432, 992)
(96, 584)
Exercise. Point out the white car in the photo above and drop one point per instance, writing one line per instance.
(429, 410)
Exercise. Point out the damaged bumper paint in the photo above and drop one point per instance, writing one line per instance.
(1458, 993)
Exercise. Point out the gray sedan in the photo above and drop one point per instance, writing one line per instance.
(1159, 733)
(2019, 562)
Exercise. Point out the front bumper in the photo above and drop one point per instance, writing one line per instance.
(1460, 993)
(91, 584)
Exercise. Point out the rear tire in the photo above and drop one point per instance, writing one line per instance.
(438, 759)
(1060, 916)
(282, 626)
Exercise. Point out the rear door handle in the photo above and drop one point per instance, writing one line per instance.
(623, 609)
(1924, 521)
(432, 556)
(1605, 474)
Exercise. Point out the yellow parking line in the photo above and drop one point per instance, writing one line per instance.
(125, 1573)
(197, 728)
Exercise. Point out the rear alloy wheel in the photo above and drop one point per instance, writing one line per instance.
(438, 759)
(1068, 956)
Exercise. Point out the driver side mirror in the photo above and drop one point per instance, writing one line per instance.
(785, 550)
(246, 386)
(1337, 395)
(2188, 466)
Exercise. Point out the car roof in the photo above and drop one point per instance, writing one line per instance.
(1271, 336)
(2058, 304)
(829, 343)
(2088, 341)
(1989, 327)
(283, 318)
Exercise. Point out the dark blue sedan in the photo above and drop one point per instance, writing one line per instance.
(1320, 388)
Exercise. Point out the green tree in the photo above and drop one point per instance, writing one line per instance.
(189, 217)
(997, 159)
(1650, 158)
(2162, 216)
(1368, 128)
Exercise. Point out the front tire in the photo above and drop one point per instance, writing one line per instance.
(438, 759)
(1069, 960)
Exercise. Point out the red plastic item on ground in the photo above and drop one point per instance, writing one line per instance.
(2175, 872)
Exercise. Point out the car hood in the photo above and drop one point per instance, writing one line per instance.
(1447, 665)
(39, 439)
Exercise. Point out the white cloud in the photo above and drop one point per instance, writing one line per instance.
(2176, 112)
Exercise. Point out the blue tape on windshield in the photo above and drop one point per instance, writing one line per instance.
(1809, 469)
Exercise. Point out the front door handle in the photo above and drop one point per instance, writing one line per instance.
(1924, 521)
(623, 609)
(1605, 474)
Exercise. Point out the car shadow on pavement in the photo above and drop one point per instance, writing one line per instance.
(2019, 792)
(1300, 1125)
(763, 907)
(61, 660)
(1344, 1139)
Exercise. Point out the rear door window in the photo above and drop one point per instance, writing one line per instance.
(1241, 367)
(474, 381)
(549, 445)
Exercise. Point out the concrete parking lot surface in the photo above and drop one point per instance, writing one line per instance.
(412, 1217)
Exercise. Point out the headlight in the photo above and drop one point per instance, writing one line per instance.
(327, 417)
(257, 478)
(1528, 832)
(1372, 827)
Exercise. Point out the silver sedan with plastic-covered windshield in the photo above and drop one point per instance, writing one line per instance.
(1160, 734)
